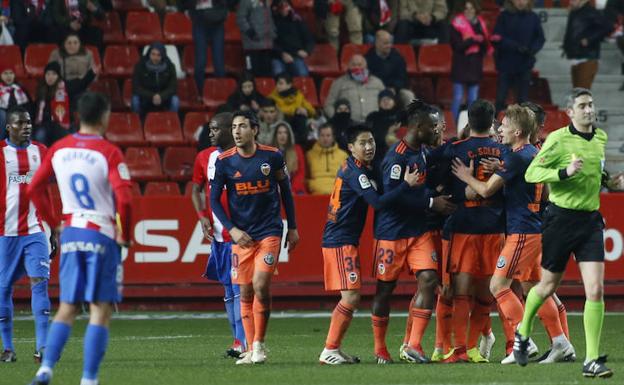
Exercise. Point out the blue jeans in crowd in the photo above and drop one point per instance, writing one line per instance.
(142, 107)
(202, 36)
(458, 97)
(296, 68)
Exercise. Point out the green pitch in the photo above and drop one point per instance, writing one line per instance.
(190, 352)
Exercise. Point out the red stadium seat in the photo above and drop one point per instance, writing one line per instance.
(423, 88)
(490, 16)
(487, 90)
(555, 120)
(234, 59)
(325, 86)
(307, 86)
(96, 58)
(11, 56)
(36, 58)
(161, 188)
(188, 60)
(539, 91)
(232, 32)
(187, 92)
(163, 129)
(109, 87)
(407, 51)
(265, 85)
(30, 86)
(435, 59)
(348, 50)
(323, 61)
(127, 93)
(217, 90)
(136, 189)
(489, 66)
(143, 28)
(299, 4)
(192, 122)
(119, 60)
(124, 129)
(111, 28)
(188, 188)
(178, 163)
(177, 29)
(144, 164)
(128, 5)
(444, 92)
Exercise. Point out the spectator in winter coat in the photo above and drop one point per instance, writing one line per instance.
(77, 16)
(470, 41)
(614, 11)
(518, 37)
(388, 65)
(246, 97)
(11, 95)
(293, 104)
(388, 118)
(586, 29)
(258, 32)
(294, 41)
(358, 87)
(341, 122)
(52, 116)
(324, 159)
(421, 20)
(284, 140)
(269, 115)
(154, 82)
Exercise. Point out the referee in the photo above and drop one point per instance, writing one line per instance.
(572, 162)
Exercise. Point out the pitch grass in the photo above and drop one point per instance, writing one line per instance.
(190, 352)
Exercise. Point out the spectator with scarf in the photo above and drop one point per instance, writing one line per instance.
(77, 16)
(11, 95)
(52, 117)
(294, 41)
(470, 41)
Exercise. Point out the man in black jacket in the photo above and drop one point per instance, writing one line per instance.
(294, 41)
(613, 10)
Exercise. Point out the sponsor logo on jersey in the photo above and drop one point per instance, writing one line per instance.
(265, 168)
(21, 179)
(395, 172)
(69, 247)
(250, 188)
(269, 259)
(364, 182)
(353, 277)
(381, 269)
(501, 262)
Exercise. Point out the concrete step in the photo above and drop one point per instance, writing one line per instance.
(605, 89)
(553, 22)
(550, 61)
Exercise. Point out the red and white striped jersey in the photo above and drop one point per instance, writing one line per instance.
(203, 173)
(18, 215)
(88, 170)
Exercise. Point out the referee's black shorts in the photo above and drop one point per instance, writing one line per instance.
(566, 232)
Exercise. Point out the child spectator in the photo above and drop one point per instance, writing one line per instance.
(246, 97)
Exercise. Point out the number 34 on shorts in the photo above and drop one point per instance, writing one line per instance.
(341, 268)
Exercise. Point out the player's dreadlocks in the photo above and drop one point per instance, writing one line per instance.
(417, 112)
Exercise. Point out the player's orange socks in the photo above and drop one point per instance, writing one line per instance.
(340, 321)
(444, 314)
(461, 312)
(510, 307)
(549, 315)
(408, 323)
(247, 319)
(508, 330)
(261, 313)
(421, 319)
(380, 327)
(478, 319)
(563, 319)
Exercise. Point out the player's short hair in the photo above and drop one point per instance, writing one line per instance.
(540, 114)
(417, 112)
(17, 110)
(523, 118)
(92, 106)
(249, 115)
(575, 93)
(481, 115)
(354, 131)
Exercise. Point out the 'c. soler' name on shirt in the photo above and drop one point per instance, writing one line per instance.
(79, 155)
(19, 179)
(69, 247)
(485, 151)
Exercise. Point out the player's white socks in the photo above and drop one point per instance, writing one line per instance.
(84, 381)
(44, 370)
(561, 339)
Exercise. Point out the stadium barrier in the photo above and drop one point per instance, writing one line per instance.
(169, 254)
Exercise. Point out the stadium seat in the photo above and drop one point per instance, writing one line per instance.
(109, 87)
(119, 60)
(300, 4)
(124, 129)
(423, 88)
(177, 28)
(539, 92)
(30, 86)
(348, 50)
(490, 16)
(487, 89)
(307, 86)
(189, 97)
(234, 59)
(163, 129)
(111, 28)
(489, 66)
(143, 28)
(36, 58)
(325, 86)
(11, 56)
(232, 32)
(127, 93)
(144, 164)
(323, 61)
(555, 120)
(161, 188)
(96, 58)
(188, 60)
(178, 163)
(407, 52)
(265, 85)
(435, 59)
(217, 90)
(136, 189)
(128, 5)
(192, 121)
(188, 188)
(444, 91)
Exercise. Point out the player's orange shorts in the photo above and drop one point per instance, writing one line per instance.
(261, 256)
(475, 254)
(521, 255)
(417, 252)
(445, 274)
(341, 268)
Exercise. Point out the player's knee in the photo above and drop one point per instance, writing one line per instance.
(427, 280)
(496, 286)
(594, 291)
(384, 288)
(351, 297)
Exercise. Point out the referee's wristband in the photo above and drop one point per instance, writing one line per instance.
(563, 174)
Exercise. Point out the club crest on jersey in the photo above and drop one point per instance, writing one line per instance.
(434, 256)
(381, 269)
(501, 262)
(395, 172)
(265, 168)
(269, 259)
(353, 277)
(364, 182)
(234, 273)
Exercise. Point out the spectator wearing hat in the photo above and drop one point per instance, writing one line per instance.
(386, 119)
(341, 121)
(154, 82)
(11, 95)
(293, 104)
(52, 117)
